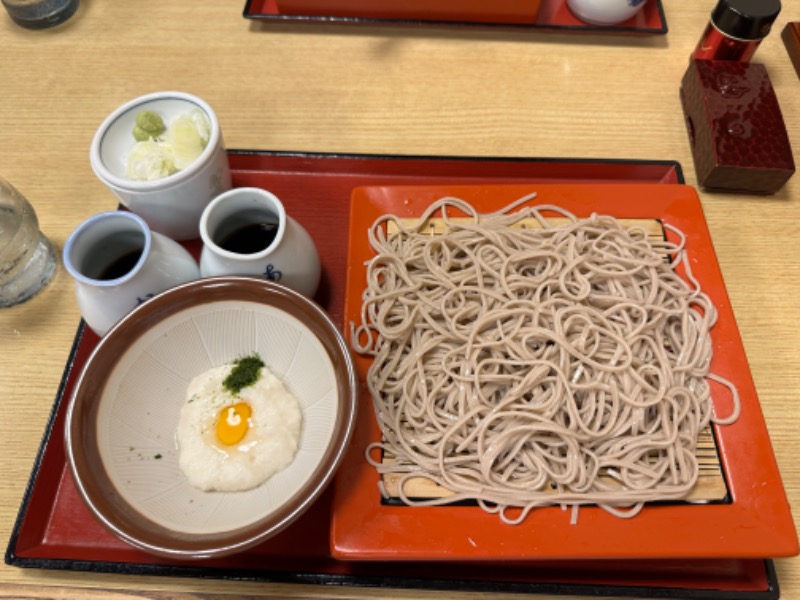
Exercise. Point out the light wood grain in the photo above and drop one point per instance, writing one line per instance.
(397, 91)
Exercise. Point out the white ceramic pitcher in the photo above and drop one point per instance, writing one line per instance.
(118, 263)
(290, 258)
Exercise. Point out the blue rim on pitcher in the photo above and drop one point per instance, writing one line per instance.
(78, 237)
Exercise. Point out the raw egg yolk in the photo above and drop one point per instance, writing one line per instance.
(232, 423)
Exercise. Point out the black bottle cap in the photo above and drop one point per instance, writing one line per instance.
(745, 19)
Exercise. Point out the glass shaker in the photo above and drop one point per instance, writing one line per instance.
(736, 29)
(27, 258)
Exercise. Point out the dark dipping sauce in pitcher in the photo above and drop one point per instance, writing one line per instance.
(252, 238)
(121, 266)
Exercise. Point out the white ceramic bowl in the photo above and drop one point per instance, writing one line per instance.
(605, 12)
(171, 205)
(123, 414)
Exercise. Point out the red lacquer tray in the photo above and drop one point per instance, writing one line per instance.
(553, 15)
(54, 530)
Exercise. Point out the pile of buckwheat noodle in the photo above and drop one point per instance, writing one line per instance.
(522, 367)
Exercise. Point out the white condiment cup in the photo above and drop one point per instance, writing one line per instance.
(605, 12)
(171, 205)
(291, 259)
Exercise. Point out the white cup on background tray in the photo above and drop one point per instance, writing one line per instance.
(605, 12)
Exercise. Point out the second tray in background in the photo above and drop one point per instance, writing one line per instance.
(554, 15)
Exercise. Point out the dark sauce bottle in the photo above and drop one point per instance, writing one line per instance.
(736, 29)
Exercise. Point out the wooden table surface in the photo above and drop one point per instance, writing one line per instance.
(365, 90)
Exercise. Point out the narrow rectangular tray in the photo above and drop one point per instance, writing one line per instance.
(554, 15)
(54, 530)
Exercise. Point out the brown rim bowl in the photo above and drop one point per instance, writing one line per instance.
(102, 423)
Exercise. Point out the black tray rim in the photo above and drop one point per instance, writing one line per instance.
(355, 156)
(588, 28)
(772, 592)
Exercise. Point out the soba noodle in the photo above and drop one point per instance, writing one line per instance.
(562, 364)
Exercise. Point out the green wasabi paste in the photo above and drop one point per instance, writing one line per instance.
(246, 371)
(148, 125)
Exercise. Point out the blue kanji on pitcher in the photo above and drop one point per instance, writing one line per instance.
(141, 299)
(272, 273)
